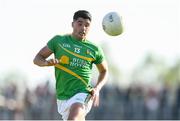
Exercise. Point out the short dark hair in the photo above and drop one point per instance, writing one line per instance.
(82, 13)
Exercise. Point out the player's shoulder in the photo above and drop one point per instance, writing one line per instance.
(60, 37)
(93, 44)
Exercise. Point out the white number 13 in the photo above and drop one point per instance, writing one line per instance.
(76, 50)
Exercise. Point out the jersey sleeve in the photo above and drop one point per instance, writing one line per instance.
(52, 43)
(99, 56)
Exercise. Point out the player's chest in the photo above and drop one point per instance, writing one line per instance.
(75, 49)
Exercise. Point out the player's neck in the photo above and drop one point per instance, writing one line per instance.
(77, 38)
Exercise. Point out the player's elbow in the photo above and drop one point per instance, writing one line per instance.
(104, 72)
(104, 69)
(35, 61)
(40, 61)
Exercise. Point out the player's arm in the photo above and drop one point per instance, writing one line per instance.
(41, 58)
(102, 78)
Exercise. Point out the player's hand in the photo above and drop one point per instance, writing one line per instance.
(52, 62)
(95, 97)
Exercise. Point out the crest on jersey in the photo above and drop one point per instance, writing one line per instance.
(88, 51)
(64, 59)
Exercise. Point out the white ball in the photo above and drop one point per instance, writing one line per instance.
(112, 24)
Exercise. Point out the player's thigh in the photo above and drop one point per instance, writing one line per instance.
(77, 111)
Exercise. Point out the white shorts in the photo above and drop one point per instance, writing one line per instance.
(64, 105)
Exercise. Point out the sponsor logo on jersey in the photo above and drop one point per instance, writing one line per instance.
(66, 45)
(77, 62)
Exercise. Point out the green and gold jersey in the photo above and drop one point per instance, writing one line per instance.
(76, 59)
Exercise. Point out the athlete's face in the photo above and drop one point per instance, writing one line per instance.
(81, 28)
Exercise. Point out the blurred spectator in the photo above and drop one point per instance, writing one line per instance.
(176, 110)
(135, 102)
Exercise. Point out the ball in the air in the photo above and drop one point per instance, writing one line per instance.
(112, 24)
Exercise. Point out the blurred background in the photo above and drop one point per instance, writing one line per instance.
(144, 62)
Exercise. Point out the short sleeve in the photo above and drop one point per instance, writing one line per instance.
(99, 56)
(52, 43)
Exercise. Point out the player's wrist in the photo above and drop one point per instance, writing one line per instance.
(46, 63)
(97, 88)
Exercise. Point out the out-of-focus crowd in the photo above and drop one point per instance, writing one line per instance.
(134, 102)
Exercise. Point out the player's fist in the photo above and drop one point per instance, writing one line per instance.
(95, 96)
(52, 62)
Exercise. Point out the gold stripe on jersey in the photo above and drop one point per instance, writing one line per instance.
(80, 56)
(72, 73)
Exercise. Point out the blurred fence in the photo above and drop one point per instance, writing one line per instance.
(135, 102)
